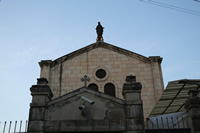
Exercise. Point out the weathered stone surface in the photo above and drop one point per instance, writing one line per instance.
(37, 113)
(41, 90)
(135, 124)
(36, 126)
(42, 81)
(115, 114)
(133, 97)
(84, 125)
(64, 115)
(68, 126)
(135, 132)
(62, 109)
(131, 78)
(132, 89)
(45, 63)
(117, 62)
(117, 125)
(155, 59)
(101, 125)
(134, 111)
(196, 126)
(52, 126)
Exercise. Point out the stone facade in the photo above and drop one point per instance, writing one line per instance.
(64, 73)
(104, 114)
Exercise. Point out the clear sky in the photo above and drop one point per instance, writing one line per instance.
(35, 30)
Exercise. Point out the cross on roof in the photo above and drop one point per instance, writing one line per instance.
(85, 79)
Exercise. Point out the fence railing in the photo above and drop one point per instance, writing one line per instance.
(167, 123)
(13, 126)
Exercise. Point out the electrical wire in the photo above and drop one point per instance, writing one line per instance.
(172, 7)
(176, 7)
(197, 0)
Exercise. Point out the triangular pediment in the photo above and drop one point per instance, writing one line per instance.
(105, 113)
(100, 45)
(84, 90)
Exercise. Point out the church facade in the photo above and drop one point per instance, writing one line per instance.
(107, 67)
(86, 110)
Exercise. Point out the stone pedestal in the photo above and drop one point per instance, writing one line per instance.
(192, 105)
(134, 109)
(41, 94)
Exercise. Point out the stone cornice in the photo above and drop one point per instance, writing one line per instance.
(41, 88)
(45, 63)
(155, 59)
(94, 46)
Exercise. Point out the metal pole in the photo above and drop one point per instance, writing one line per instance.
(9, 126)
(152, 125)
(167, 122)
(183, 123)
(26, 126)
(172, 122)
(157, 123)
(20, 126)
(177, 121)
(4, 127)
(162, 123)
(15, 126)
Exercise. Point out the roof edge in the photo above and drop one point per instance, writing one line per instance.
(85, 89)
(103, 45)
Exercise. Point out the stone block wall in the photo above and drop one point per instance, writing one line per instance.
(105, 114)
(66, 76)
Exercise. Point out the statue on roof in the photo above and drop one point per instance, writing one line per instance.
(99, 30)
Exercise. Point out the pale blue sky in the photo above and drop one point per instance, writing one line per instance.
(34, 30)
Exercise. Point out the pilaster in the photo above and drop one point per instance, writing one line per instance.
(157, 75)
(45, 66)
(134, 109)
(41, 94)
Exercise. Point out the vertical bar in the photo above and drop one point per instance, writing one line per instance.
(183, 123)
(167, 122)
(26, 126)
(20, 126)
(172, 122)
(9, 126)
(186, 125)
(157, 122)
(4, 127)
(15, 126)
(177, 121)
(152, 125)
(162, 123)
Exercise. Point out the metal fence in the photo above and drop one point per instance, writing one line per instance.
(168, 125)
(13, 127)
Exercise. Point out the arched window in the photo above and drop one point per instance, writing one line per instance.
(93, 87)
(109, 89)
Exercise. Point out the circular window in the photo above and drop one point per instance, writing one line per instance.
(101, 73)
